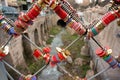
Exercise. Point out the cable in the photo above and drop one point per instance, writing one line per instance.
(32, 43)
(9, 76)
(97, 43)
(41, 69)
(8, 41)
(65, 71)
(73, 42)
(13, 68)
(99, 73)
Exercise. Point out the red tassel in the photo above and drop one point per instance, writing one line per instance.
(46, 50)
(60, 12)
(37, 53)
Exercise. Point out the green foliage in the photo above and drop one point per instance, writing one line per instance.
(35, 66)
(49, 40)
(76, 47)
(84, 69)
(75, 50)
(53, 31)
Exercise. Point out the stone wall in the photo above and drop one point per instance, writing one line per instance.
(20, 47)
(108, 37)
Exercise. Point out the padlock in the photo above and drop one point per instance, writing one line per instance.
(46, 50)
(62, 54)
(60, 12)
(37, 53)
(30, 77)
(46, 57)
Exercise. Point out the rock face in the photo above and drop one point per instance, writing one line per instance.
(20, 46)
(89, 73)
(91, 64)
(110, 37)
(85, 50)
(69, 60)
(79, 61)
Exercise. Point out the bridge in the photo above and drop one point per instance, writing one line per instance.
(20, 47)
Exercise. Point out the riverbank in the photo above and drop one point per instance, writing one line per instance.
(80, 64)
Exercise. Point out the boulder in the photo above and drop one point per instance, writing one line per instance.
(79, 61)
(89, 73)
(85, 50)
(91, 64)
(69, 60)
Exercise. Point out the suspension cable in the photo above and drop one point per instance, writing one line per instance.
(41, 69)
(99, 73)
(32, 43)
(65, 71)
(98, 43)
(73, 42)
(8, 41)
(11, 78)
(13, 68)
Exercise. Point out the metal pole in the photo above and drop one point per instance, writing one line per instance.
(73, 42)
(97, 43)
(99, 73)
(8, 41)
(13, 68)
(32, 42)
(11, 78)
(96, 63)
(41, 69)
(65, 71)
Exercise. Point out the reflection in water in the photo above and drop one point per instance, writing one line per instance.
(52, 73)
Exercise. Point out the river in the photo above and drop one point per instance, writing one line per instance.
(50, 73)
